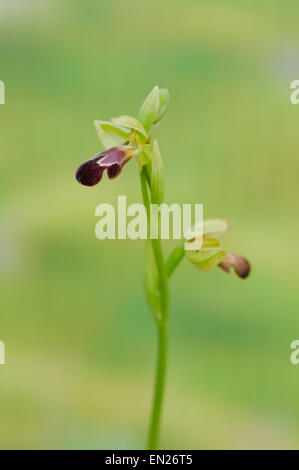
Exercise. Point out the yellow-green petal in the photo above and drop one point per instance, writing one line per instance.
(206, 258)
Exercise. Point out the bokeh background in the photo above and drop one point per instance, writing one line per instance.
(80, 341)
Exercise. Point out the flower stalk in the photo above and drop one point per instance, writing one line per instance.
(160, 313)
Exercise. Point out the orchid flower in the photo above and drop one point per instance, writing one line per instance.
(212, 254)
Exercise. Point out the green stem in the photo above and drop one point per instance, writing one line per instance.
(159, 389)
(162, 350)
(161, 320)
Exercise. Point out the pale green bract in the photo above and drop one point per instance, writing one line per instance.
(145, 156)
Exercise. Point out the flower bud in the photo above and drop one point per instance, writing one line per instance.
(163, 104)
(150, 109)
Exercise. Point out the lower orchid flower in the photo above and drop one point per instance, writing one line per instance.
(212, 254)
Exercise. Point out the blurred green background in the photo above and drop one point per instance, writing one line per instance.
(80, 342)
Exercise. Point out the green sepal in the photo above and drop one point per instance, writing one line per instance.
(131, 123)
(111, 135)
(215, 227)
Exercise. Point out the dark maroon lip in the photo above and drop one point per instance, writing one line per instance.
(113, 160)
(240, 265)
(89, 173)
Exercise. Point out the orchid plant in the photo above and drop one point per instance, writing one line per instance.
(126, 137)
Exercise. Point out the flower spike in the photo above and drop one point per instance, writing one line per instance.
(122, 138)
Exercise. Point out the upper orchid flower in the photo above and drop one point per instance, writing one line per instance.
(124, 137)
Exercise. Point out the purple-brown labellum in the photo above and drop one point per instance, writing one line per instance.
(241, 265)
(113, 160)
